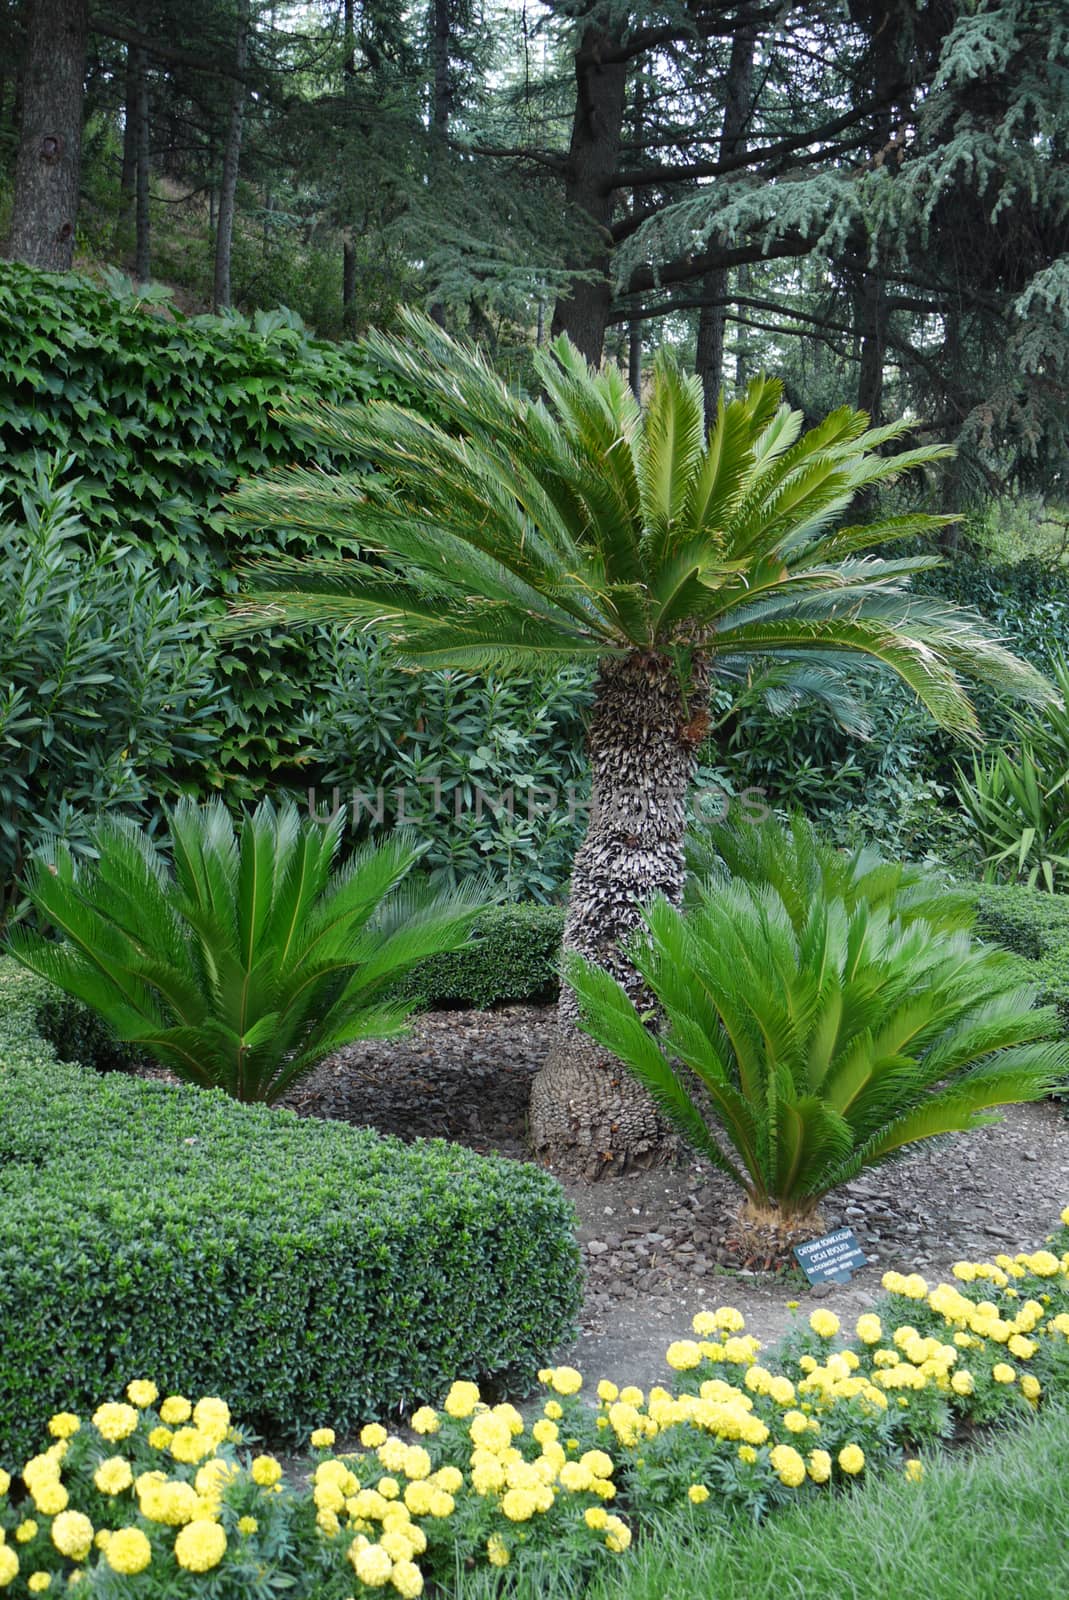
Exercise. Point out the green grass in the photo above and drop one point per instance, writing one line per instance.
(980, 1527)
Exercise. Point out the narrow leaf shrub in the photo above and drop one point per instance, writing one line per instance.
(817, 1034)
(106, 675)
(301, 1268)
(252, 959)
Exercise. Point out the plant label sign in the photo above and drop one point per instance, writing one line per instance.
(833, 1259)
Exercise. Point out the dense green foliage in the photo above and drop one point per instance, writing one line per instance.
(106, 685)
(488, 774)
(1035, 926)
(514, 956)
(301, 1268)
(158, 415)
(506, 532)
(1018, 798)
(253, 959)
(826, 1029)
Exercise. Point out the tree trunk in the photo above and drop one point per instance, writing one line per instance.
(441, 106)
(124, 222)
(599, 111)
(50, 146)
(738, 92)
(586, 1111)
(142, 258)
(228, 188)
(348, 247)
(634, 358)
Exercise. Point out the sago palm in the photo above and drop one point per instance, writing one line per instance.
(500, 531)
(799, 1044)
(253, 958)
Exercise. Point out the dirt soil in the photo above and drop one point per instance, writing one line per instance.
(659, 1245)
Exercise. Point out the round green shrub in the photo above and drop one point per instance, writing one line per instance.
(302, 1268)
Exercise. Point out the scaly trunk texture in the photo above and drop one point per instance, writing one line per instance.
(586, 1111)
(599, 111)
(50, 146)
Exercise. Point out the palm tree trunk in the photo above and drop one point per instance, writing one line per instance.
(586, 1111)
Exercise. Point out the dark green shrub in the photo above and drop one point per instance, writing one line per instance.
(303, 1269)
(489, 773)
(515, 957)
(105, 676)
(1035, 926)
(160, 414)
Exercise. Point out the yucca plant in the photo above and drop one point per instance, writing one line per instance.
(1018, 800)
(504, 532)
(251, 959)
(796, 1047)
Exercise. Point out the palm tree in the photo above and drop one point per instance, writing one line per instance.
(503, 532)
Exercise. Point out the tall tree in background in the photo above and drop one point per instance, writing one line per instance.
(228, 186)
(49, 159)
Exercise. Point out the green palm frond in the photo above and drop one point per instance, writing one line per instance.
(819, 1012)
(496, 531)
(251, 958)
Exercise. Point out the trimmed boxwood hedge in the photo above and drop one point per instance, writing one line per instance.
(303, 1269)
(1035, 926)
(514, 956)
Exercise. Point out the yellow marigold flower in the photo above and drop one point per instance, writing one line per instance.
(448, 1478)
(825, 1324)
(1031, 1387)
(964, 1271)
(160, 1438)
(914, 1287)
(781, 1390)
(599, 1462)
(50, 1497)
(389, 1488)
(328, 1497)
(491, 1433)
(461, 1400)
(566, 1380)
(25, 1531)
(787, 1464)
(266, 1471)
(9, 1565)
(175, 1409)
(819, 1466)
(869, 1328)
(248, 1525)
(141, 1392)
(851, 1458)
(795, 1421)
(407, 1579)
(200, 1545)
(748, 1454)
(544, 1431)
(172, 1503)
(575, 1477)
(1065, 1216)
(212, 1416)
(115, 1420)
(497, 1551)
(1042, 1263)
(808, 1363)
(914, 1470)
(1024, 1349)
(607, 1390)
(63, 1424)
(962, 1382)
(518, 1505)
(38, 1582)
(1002, 1372)
(416, 1463)
(113, 1475)
(72, 1535)
(553, 1410)
(630, 1395)
(5, 1481)
(617, 1535)
(326, 1521)
(596, 1517)
(487, 1478)
(683, 1355)
(391, 1453)
(103, 1538)
(697, 1494)
(371, 1564)
(190, 1445)
(426, 1420)
(128, 1551)
(441, 1503)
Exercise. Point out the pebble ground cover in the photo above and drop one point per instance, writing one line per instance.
(154, 1495)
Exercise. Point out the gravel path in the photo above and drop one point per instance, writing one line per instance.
(657, 1245)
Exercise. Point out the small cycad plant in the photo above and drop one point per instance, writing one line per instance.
(251, 958)
(793, 1042)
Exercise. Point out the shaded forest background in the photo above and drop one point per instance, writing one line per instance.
(870, 198)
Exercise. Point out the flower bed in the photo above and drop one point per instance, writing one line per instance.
(151, 1497)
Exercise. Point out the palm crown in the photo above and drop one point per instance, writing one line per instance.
(504, 531)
